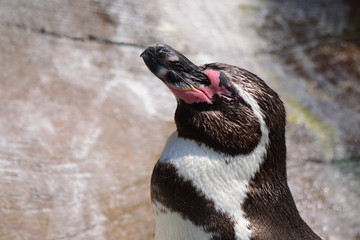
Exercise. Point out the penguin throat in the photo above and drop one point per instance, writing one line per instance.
(202, 93)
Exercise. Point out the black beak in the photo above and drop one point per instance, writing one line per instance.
(173, 68)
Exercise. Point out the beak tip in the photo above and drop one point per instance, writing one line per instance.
(143, 53)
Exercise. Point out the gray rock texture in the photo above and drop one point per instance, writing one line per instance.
(82, 120)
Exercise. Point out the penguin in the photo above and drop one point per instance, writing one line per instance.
(222, 173)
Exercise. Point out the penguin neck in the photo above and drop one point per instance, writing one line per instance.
(269, 201)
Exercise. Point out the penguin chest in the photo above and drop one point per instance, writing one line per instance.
(198, 193)
(184, 212)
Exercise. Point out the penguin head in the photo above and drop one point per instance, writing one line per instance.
(219, 105)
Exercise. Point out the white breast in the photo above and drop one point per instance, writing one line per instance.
(171, 226)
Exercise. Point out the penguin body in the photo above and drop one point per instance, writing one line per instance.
(222, 174)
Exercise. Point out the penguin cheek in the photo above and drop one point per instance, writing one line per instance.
(190, 94)
(215, 87)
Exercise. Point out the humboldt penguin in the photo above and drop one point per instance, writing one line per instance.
(222, 173)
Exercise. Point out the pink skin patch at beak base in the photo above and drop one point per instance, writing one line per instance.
(203, 93)
(190, 96)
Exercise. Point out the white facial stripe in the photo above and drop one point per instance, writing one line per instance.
(222, 178)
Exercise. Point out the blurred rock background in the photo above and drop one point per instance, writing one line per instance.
(82, 120)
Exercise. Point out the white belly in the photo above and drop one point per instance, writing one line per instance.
(171, 226)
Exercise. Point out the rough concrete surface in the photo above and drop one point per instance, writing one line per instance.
(82, 121)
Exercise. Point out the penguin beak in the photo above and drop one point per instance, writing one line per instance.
(174, 69)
